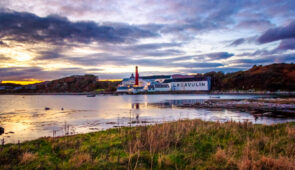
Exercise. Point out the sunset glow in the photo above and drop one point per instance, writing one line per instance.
(22, 82)
(43, 41)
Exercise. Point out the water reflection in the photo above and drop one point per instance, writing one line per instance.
(135, 107)
(26, 118)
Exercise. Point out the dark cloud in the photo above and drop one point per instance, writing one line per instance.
(3, 58)
(149, 50)
(237, 42)
(52, 54)
(25, 73)
(240, 41)
(216, 55)
(193, 25)
(288, 44)
(206, 70)
(266, 59)
(258, 24)
(220, 55)
(159, 53)
(19, 73)
(27, 27)
(199, 16)
(171, 63)
(259, 52)
(278, 33)
(183, 58)
(200, 65)
(153, 46)
(3, 44)
(253, 61)
(99, 59)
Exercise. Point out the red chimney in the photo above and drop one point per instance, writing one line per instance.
(136, 76)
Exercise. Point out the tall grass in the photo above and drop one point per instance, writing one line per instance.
(185, 144)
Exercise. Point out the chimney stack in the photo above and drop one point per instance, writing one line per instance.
(136, 76)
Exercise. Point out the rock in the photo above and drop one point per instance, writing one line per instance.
(46, 108)
(1, 130)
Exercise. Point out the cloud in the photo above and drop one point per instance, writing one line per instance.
(3, 58)
(19, 73)
(27, 27)
(147, 49)
(216, 55)
(279, 33)
(200, 65)
(260, 24)
(253, 61)
(166, 34)
(220, 55)
(256, 53)
(159, 53)
(98, 59)
(206, 70)
(25, 73)
(153, 46)
(265, 59)
(50, 54)
(288, 44)
(3, 44)
(237, 42)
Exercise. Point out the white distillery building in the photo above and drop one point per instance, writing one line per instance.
(189, 84)
(165, 84)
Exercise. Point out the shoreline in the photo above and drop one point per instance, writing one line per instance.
(277, 107)
(170, 145)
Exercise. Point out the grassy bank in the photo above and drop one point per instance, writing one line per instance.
(178, 145)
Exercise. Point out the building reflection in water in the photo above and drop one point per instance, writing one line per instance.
(135, 108)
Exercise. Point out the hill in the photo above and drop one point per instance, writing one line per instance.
(71, 84)
(270, 77)
(76, 83)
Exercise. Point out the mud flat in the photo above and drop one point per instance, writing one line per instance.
(258, 107)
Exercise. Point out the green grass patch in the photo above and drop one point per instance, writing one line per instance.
(187, 144)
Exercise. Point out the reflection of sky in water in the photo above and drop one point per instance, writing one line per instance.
(26, 117)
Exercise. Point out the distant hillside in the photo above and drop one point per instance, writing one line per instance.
(266, 78)
(75, 83)
(271, 77)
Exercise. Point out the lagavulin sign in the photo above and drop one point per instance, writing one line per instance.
(189, 86)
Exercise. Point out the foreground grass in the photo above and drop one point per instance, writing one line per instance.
(188, 144)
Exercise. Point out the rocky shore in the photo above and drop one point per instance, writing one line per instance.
(258, 107)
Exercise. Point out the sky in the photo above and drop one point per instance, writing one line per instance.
(50, 39)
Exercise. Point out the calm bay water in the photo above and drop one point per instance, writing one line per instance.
(24, 116)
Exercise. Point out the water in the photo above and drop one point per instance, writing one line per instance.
(24, 117)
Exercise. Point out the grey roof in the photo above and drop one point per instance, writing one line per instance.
(156, 77)
(187, 79)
